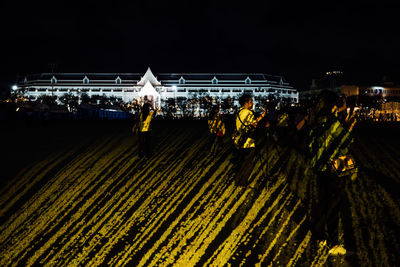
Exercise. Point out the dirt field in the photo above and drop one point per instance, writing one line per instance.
(77, 193)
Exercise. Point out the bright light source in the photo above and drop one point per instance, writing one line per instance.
(15, 87)
(174, 87)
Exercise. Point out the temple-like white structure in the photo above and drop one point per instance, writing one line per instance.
(148, 87)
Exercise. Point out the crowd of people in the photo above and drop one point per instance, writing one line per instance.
(376, 116)
(320, 135)
(43, 109)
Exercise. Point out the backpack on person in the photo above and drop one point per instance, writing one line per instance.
(220, 127)
(240, 136)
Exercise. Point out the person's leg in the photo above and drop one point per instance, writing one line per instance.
(335, 202)
(337, 247)
(348, 232)
(246, 167)
(213, 144)
(141, 144)
(332, 219)
(148, 149)
(235, 157)
(239, 161)
(218, 145)
(211, 139)
(318, 215)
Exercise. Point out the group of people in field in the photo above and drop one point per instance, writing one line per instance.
(320, 135)
(377, 116)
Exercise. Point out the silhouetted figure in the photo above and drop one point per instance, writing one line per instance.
(328, 147)
(216, 128)
(145, 120)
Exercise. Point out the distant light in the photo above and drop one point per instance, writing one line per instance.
(335, 72)
(15, 87)
(174, 87)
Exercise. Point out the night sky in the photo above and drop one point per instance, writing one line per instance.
(298, 42)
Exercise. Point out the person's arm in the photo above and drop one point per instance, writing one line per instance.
(259, 118)
(247, 118)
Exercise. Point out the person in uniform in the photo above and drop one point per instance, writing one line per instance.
(328, 147)
(217, 130)
(145, 119)
(244, 140)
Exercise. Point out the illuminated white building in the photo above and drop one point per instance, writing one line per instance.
(383, 91)
(148, 87)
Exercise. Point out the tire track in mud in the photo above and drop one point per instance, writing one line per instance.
(54, 199)
(375, 155)
(104, 205)
(29, 213)
(142, 211)
(36, 171)
(93, 209)
(371, 203)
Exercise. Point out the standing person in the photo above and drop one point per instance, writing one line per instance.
(245, 126)
(145, 117)
(216, 128)
(330, 138)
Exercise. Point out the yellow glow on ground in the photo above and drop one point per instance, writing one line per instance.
(103, 205)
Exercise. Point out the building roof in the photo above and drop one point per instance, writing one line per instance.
(158, 79)
(148, 89)
(148, 77)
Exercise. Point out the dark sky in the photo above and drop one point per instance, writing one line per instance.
(299, 42)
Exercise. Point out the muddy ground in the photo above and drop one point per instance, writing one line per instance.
(77, 193)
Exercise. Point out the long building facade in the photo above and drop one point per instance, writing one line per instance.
(157, 88)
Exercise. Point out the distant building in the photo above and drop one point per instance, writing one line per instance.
(156, 89)
(349, 90)
(385, 91)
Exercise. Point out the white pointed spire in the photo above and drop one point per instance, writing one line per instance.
(148, 76)
(148, 89)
